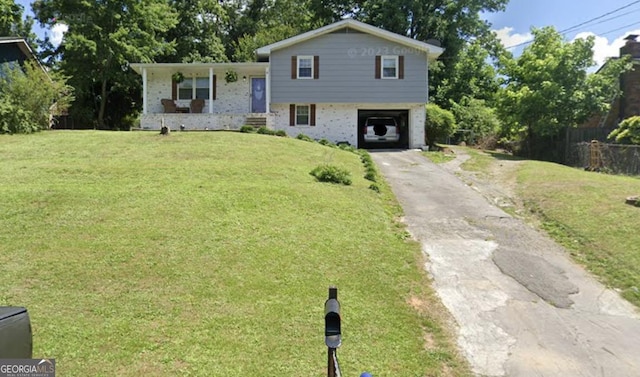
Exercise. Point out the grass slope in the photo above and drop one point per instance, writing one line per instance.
(208, 254)
(585, 212)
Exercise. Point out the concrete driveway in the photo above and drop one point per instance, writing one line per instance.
(522, 307)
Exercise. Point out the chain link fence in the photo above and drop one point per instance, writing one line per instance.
(615, 158)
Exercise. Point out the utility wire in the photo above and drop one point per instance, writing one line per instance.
(620, 28)
(591, 20)
(599, 17)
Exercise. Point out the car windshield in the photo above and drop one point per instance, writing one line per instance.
(380, 122)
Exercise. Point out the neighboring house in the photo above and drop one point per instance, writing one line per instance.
(628, 104)
(15, 50)
(324, 83)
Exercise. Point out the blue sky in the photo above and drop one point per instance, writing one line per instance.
(513, 25)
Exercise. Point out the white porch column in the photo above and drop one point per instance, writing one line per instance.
(144, 91)
(211, 90)
(268, 90)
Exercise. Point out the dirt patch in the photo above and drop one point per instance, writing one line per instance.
(498, 183)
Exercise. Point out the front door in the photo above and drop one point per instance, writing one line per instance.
(258, 95)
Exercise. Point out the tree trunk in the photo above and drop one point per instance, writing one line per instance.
(103, 104)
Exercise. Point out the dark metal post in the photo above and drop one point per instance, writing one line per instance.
(332, 332)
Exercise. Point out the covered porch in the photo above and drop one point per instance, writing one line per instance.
(203, 96)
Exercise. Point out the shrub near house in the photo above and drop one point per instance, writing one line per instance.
(27, 98)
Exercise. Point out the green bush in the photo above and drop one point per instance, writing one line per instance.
(439, 124)
(304, 137)
(478, 120)
(374, 187)
(371, 175)
(14, 119)
(327, 143)
(628, 132)
(248, 129)
(346, 147)
(332, 174)
(265, 131)
(29, 97)
(281, 133)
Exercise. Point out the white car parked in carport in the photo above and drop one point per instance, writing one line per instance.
(381, 129)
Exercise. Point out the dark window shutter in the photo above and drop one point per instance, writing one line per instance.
(401, 67)
(312, 115)
(292, 115)
(294, 67)
(316, 67)
(214, 87)
(378, 64)
(174, 89)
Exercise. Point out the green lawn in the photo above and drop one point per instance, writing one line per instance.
(209, 254)
(586, 212)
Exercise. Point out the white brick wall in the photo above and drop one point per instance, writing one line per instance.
(339, 122)
(231, 98)
(199, 121)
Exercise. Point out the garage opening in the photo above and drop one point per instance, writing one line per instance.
(383, 129)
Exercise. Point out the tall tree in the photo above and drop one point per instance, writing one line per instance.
(470, 76)
(547, 88)
(198, 32)
(12, 23)
(451, 22)
(103, 37)
(255, 23)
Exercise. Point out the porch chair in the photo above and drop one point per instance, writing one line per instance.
(197, 105)
(169, 105)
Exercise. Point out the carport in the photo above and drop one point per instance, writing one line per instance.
(402, 119)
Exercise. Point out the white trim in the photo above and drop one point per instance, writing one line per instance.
(211, 84)
(137, 67)
(389, 57)
(305, 57)
(144, 91)
(268, 88)
(432, 51)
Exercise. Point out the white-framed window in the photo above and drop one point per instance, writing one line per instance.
(389, 67)
(302, 115)
(305, 67)
(194, 87)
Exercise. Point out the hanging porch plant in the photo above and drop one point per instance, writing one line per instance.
(231, 76)
(178, 77)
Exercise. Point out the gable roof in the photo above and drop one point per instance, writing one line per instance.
(24, 47)
(432, 51)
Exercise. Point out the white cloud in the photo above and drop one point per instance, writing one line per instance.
(57, 32)
(604, 49)
(508, 39)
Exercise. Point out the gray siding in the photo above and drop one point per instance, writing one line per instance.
(347, 72)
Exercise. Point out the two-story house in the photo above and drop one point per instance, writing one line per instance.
(324, 83)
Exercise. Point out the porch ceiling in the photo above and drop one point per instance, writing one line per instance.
(202, 69)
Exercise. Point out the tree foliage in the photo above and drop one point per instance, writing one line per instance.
(547, 88)
(628, 132)
(103, 37)
(470, 76)
(28, 97)
(12, 23)
(439, 124)
(476, 118)
(197, 34)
